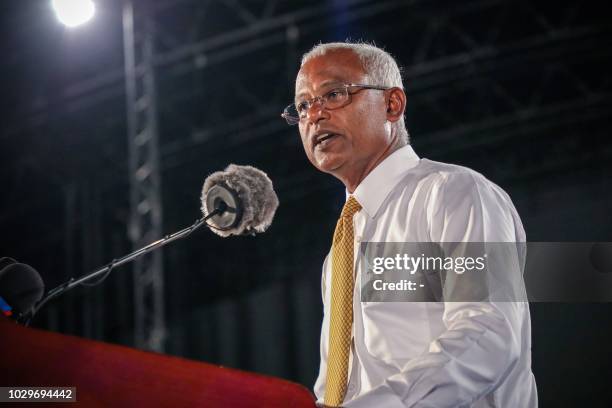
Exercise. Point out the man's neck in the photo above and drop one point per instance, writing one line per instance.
(352, 181)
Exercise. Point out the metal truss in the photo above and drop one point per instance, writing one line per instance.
(181, 54)
(145, 223)
(476, 59)
(478, 64)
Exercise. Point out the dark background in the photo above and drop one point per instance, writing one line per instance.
(517, 90)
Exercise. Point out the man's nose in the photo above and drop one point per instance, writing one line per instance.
(316, 112)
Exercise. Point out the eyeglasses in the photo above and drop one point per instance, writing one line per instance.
(334, 99)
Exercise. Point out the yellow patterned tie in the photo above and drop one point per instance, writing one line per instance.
(341, 318)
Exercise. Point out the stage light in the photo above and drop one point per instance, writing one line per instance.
(73, 12)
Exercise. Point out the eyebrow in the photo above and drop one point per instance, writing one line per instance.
(324, 85)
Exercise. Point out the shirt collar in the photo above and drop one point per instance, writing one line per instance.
(378, 184)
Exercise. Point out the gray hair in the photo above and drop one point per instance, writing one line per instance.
(380, 67)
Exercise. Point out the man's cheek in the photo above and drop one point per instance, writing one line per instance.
(304, 143)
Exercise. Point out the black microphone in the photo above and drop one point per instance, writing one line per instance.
(20, 288)
(246, 194)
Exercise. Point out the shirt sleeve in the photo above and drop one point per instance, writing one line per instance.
(481, 343)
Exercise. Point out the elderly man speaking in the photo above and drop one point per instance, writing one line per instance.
(349, 106)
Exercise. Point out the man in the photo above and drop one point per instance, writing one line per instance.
(349, 105)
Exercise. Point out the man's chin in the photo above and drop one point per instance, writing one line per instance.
(329, 165)
(329, 161)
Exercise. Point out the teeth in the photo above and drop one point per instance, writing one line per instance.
(323, 136)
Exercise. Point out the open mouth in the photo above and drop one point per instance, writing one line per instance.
(321, 139)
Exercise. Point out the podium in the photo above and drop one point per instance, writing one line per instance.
(107, 375)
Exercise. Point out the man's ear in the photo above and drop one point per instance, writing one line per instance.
(396, 104)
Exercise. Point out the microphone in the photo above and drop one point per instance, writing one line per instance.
(247, 196)
(20, 288)
(237, 201)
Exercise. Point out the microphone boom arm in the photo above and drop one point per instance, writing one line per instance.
(66, 286)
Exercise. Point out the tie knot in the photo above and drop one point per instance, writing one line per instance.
(350, 207)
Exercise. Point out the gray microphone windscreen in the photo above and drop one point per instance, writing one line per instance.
(255, 194)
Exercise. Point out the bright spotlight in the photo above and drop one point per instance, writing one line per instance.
(73, 12)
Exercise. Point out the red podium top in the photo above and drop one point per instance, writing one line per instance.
(107, 375)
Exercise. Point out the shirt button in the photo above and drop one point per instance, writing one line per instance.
(351, 387)
(358, 238)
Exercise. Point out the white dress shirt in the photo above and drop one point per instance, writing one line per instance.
(433, 354)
